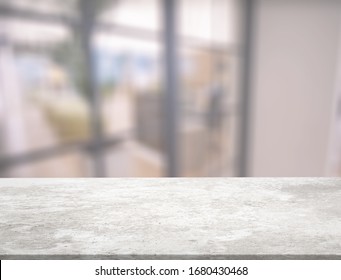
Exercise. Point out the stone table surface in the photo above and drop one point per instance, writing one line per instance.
(136, 216)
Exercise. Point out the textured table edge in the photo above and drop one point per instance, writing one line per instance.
(172, 257)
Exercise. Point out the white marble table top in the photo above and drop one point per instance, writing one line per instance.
(170, 217)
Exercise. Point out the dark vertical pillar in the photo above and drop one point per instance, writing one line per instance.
(248, 11)
(171, 87)
(87, 19)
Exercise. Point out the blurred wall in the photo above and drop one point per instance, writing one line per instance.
(294, 72)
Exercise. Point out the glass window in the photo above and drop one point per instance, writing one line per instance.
(48, 94)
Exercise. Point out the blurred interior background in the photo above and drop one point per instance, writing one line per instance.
(117, 88)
